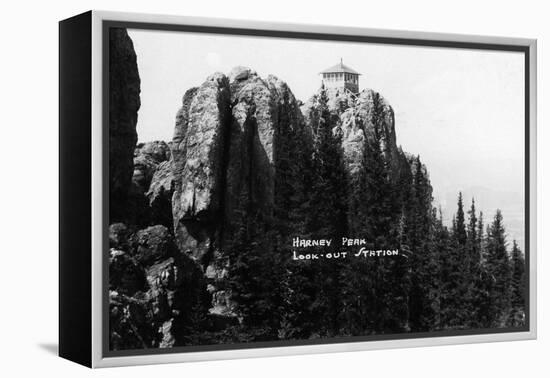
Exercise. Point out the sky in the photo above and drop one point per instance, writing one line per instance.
(461, 110)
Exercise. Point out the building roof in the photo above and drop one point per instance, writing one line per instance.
(340, 67)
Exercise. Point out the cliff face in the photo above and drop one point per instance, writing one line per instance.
(199, 143)
(259, 109)
(124, 103)
(223, 149)
(223, 154)
(169, 262)
(357, 117)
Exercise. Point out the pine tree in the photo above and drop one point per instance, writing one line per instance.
(456, 285)
(293, 181)
(251, 279)
(460, 230)
(473, 239)
(498, 268)
(479, 234)
(357, 289)
(386, 292)
(479, 276)
(472, 269)
(423, 259)
(517, 287)
(327, 217)
(444, 257)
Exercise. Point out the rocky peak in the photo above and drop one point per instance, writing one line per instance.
(356, 117)
(240, 73)
(223, 153)
(198, 158)
(231, 134)
(224, 138)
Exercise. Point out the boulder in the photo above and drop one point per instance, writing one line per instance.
(130, 322)
(125, 274)
(168, 340)
(178, 297)
(156, 291)
(118, 236)
(240, 73)
(157, 150)
(144, 169)
(152, 245)
(147, 157)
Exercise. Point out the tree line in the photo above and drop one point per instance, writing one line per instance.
(457, 277)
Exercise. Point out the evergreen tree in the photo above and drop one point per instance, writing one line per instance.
(384, 291)
(517, 287)
(473, 239)
(254, 271)
(473, 273)
(479, 235)
(327, 217)
(358, 290)
(460, 227)
(456, 285)
(498, 268)
(444, 301)
(457, 278)
(293, 181)
(478, 274)
(423, 260)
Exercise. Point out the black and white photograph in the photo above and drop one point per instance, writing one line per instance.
(238, 189)
(268, 190)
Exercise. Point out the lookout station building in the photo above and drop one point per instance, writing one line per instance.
(341, 76)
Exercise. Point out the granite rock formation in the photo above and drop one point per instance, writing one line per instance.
(223, 151)
(223, 145)
(154, 289)
(356, 116)
(168, 262)
(198, 147)
(147, 157)
(160, 193)
(124, 103)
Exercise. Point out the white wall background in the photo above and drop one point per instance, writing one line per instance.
(29, 189)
